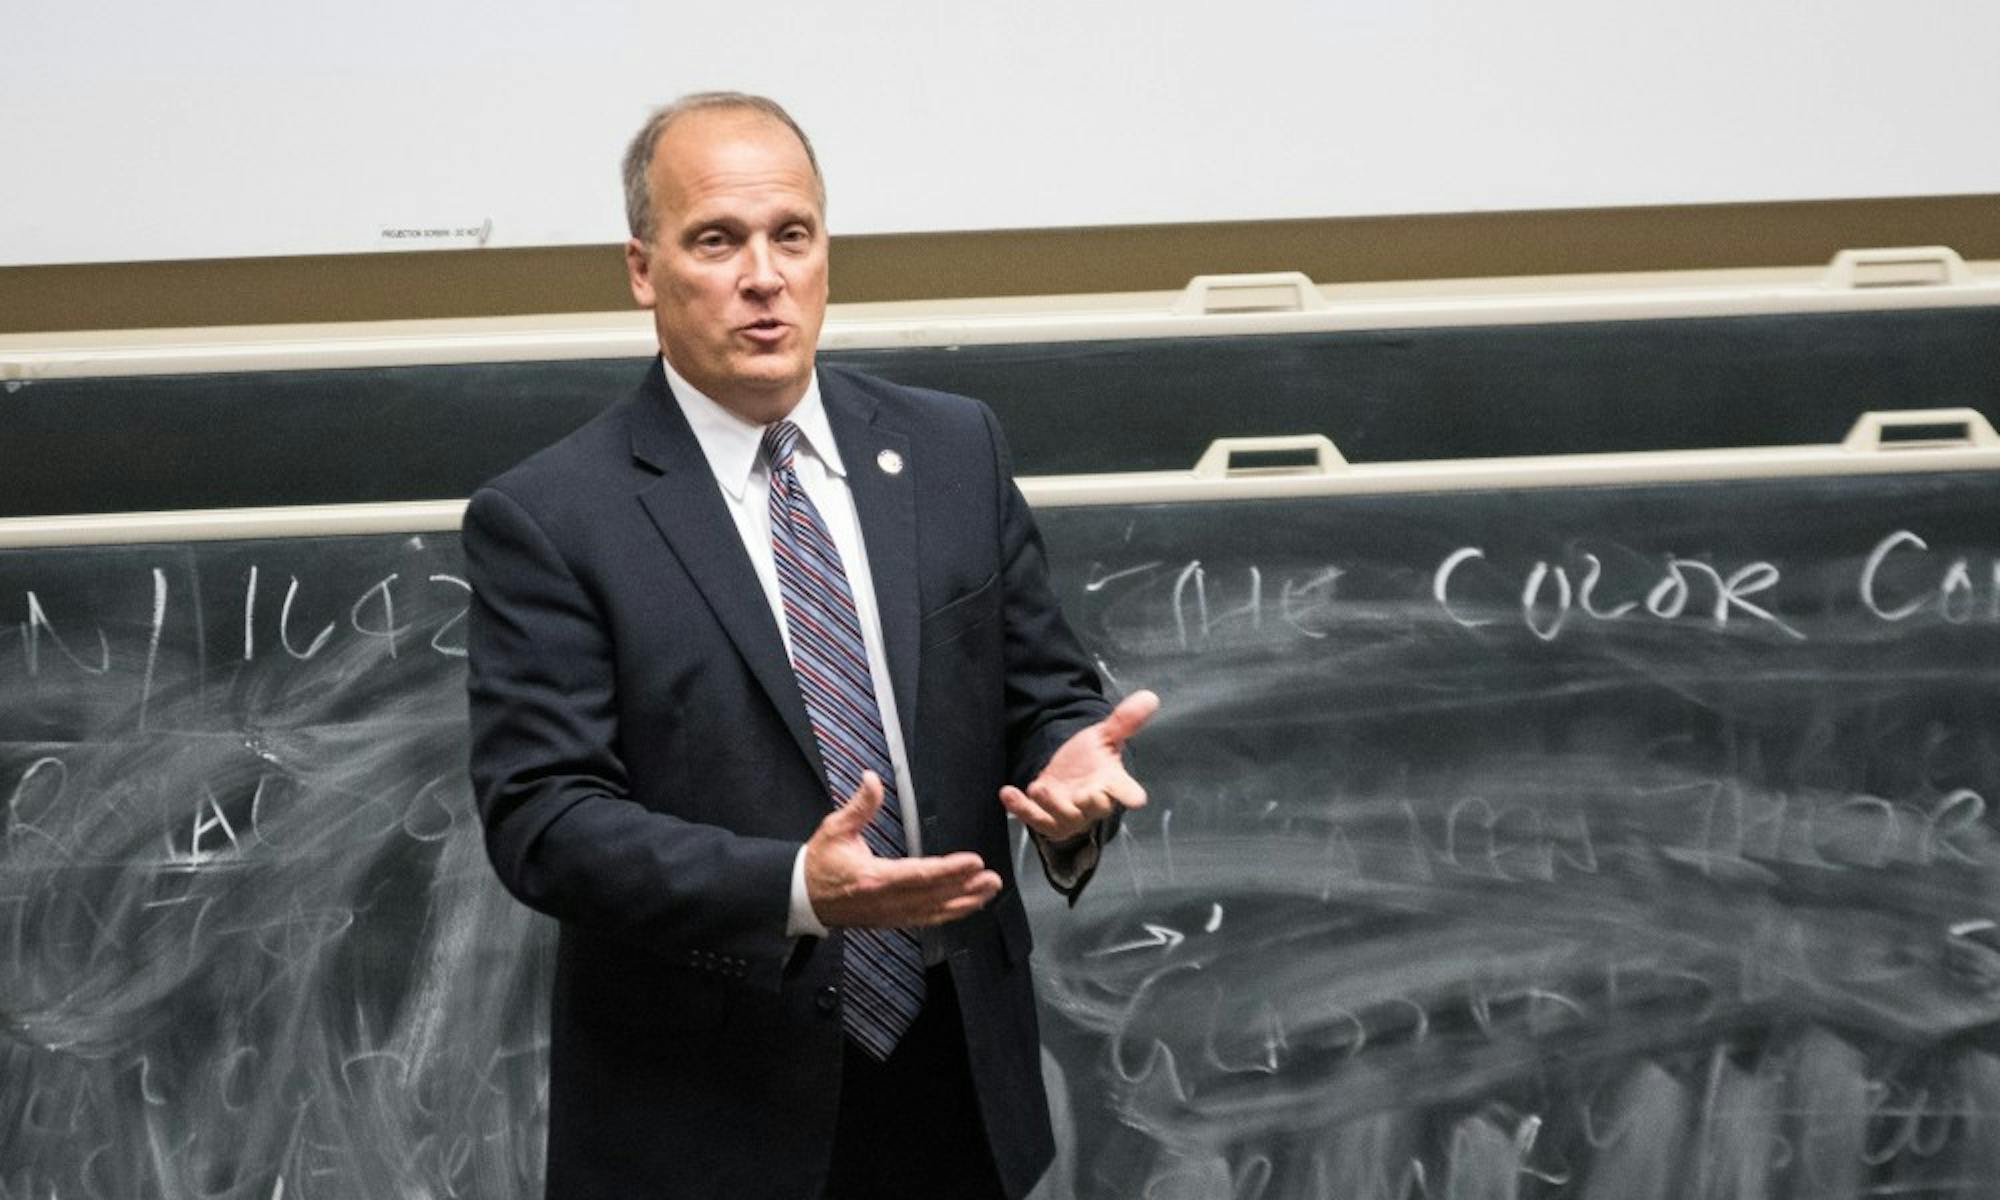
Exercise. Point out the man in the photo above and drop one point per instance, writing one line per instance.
(760, 660)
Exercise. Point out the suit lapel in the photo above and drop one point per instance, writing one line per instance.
(885, 503)
(687, 508)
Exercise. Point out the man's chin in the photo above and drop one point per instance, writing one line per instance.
(764, 386)
(771, 383)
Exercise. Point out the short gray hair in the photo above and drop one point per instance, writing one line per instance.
(639, 153)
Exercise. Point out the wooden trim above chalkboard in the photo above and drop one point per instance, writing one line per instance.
(1863, 279)
(476, 283)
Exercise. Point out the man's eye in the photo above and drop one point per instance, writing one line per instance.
(795, 235)
(711, 240)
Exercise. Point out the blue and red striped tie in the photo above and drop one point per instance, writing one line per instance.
(882, 970)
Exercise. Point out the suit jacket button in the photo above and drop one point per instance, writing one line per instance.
(827, 1000)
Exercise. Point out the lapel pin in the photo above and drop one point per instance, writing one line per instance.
(890, 462)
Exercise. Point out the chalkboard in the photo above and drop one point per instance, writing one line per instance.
(265, 438)
(251, 943)
(1596, 844)
(1588, 843)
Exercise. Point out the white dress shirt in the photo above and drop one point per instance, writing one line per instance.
(732, 446)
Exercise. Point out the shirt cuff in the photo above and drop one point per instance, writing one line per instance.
(802, 922)
(1068, 863)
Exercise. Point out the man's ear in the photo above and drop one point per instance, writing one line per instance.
(639, 272)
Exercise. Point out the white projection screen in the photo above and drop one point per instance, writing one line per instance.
(229, 128)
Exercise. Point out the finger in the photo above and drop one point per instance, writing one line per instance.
(934, 894)
(1126, 792)
(853, 816)
(1063, 805)
(979, 889)
(1063, 819)
(1015, 801)
(960, 907)
(957, 911)
(914, 904)
(915, 876)
(1131, 714)
(977, 893)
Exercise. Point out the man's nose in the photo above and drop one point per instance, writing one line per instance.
(760, 268)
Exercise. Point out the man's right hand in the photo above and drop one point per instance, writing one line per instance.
(848, 885)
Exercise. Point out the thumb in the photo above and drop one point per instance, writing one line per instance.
(1131, 714)
(852, 817)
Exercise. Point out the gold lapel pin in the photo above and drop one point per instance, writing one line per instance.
(890, 462)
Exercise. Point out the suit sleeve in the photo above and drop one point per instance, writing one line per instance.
(562, 830)
(1052, 689)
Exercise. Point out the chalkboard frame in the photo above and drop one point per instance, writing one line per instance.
(1971, 444)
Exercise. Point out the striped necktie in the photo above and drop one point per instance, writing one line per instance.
(882, 970)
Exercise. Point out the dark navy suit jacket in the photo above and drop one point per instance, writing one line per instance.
(646, 773)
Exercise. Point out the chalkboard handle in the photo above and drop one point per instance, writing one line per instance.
(1896, 266)
(1269, 291)
(1219, 460)
(1921, 428)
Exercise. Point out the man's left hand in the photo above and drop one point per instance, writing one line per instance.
(1086, 779)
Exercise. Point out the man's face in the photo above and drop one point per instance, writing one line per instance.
(736, 270)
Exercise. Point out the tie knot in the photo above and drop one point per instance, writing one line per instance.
(780, 437)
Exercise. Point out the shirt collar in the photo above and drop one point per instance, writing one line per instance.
(732, 444)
